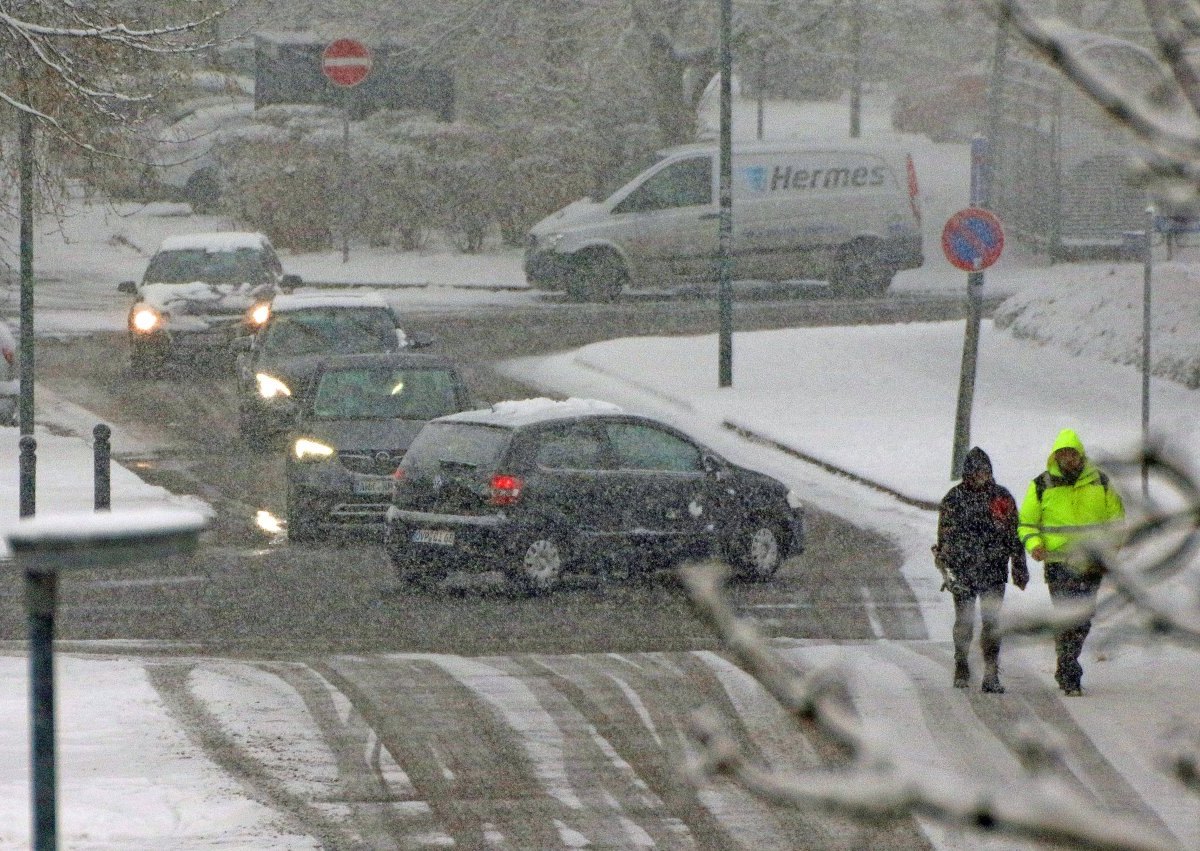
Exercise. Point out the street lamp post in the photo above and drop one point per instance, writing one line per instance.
(43, 546)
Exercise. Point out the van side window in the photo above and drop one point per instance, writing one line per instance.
(687, 183)
(643, 447)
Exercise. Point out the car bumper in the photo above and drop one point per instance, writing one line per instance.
(334, 496)
(175, 344)
(547, 270)
(477, 544)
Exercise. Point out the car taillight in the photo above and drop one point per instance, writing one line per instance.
(398, 474)
(506, 490)
(914, 189)
(9, 355)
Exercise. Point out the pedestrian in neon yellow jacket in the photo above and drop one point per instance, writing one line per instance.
(1071, 499)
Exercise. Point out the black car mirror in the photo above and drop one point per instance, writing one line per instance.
(127, 287)
(289, 282)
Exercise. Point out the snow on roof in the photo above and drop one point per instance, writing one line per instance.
(327, 298)
(215, 241)
(519, 412)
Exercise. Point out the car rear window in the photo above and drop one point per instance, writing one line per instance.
(330, 330)
(470, 445)
(183, 266)
(384, 392)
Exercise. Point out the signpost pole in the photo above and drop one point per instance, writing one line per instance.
(725, 241)
(345, 175)
(1147, 258)
(346, 63)
(972, 240)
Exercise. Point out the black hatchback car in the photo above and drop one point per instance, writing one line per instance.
(353, 430)
(535, 488)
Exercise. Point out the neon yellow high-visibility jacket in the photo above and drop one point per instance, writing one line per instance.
(1087, 504)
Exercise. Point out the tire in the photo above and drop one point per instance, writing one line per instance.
(597, 277)
(859, 271)
(144, 362)
(203, 192)
(302, 524)
(758, 551)
(541, 563)
(250, 429)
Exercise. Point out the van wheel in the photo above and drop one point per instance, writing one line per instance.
(542, 562)
(859, 271)
(597, 277)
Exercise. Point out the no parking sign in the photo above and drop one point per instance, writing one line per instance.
(972, 239)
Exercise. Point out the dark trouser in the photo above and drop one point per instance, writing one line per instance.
(1068, 588)
(990, 600)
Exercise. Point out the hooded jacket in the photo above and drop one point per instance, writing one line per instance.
(977, 528)
(1084, 505)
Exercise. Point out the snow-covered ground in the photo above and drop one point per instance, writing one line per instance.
(876, 402)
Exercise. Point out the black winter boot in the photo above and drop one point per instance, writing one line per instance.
(962, 673)
(991, 679)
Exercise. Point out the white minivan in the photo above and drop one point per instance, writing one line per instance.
(845, 211)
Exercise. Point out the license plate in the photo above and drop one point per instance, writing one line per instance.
(441, 537)
(373, 487)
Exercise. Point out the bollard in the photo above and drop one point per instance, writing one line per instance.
(28, 475)
(102, 467)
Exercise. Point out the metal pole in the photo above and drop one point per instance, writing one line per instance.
(25, 167)
(41, 588)
(27, 476)
(856, 69)
(725, 245)
(1146, 347)
(970, 354)
(345, 193)
(102, 467)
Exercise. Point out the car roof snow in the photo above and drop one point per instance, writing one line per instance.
(215, 241)
(522, 412)
(307, 300)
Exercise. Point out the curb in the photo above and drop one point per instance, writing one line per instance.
(755, 437)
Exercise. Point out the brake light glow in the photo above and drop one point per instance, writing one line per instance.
(506, 490)
(398, 474)
(9, 355)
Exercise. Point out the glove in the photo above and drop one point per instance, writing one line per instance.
(1020, 571)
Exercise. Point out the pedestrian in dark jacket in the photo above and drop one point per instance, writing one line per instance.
(976, 541)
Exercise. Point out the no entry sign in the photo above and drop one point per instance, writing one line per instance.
(972, 239)
(346, 62)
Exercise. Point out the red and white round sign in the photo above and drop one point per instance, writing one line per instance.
(346, 62)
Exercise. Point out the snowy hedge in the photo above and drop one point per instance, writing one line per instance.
(1103, 317)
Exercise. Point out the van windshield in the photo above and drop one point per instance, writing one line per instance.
(618, 178)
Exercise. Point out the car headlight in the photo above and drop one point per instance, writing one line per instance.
(259, 314)
(270, 387)
(145, 319)
(794, 501)
(307, 449)
(547, 242)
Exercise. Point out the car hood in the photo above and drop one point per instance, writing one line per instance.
(361, 435)
(581, 212)
(199, 298)
(294, 371)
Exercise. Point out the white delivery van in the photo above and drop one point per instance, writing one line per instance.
(845, 211)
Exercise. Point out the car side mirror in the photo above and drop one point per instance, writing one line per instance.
(415, 340)
(289, 282)
(127, 287)
(713, 466)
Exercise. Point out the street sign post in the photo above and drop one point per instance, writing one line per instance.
(971, 240)
(346, 62)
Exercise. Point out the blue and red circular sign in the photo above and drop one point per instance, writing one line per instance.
(972, 239)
